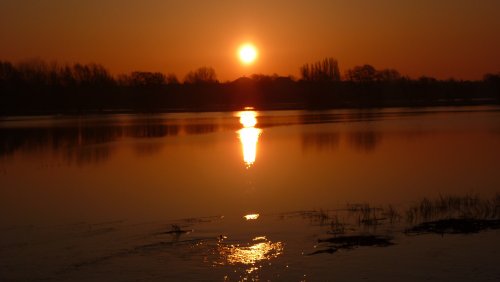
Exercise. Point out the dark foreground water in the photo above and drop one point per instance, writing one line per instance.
(164, 197)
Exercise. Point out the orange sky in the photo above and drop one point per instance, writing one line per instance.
(445, 38)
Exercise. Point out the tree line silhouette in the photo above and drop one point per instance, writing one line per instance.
(38, 87)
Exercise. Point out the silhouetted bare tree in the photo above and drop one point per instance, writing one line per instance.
(141, 78)
(388, 75)
(325, 70)
(91, 75)
(37, 87)
(364, 73)
(427, 80)
(37, 73)
(492, 78)
(367, 73)
(171, 79)
(33, 72)
(201, 75)
(8, 73)
(66, 77)
(492, 81)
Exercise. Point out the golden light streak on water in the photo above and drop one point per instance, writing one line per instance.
(248, 118)
(249, 136)
(251, 216)
(260, 250)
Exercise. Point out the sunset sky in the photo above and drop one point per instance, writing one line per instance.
(445, 38)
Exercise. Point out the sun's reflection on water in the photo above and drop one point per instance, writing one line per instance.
(252, 216)
(249, 136)
(260, 249)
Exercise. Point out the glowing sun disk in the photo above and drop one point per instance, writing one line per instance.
(247, 54)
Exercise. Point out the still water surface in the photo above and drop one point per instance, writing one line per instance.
(146, 167)
(222, 171)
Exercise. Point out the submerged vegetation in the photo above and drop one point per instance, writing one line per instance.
(468, 206)
(353, 241)
(38, 87)
(364, 225)
(454, 214)
(454, 226)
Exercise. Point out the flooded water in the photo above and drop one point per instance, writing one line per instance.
(243, 195)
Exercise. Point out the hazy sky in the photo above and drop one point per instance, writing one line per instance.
(441, 38)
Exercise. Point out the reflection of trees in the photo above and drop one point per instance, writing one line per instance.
(76, 144)
(12, 140)
(82, 143)
(200, 128)
(35, 139)
(152, 130)
(83, 155)
(364, 140)
(318, 118)
(365, 115)
(147, 148)
(321, 140)
(90, 135)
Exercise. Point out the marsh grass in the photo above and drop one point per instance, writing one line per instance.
(392, 214)
(350, 242)
(454, 215)
(446, 207)
(454, 226)
(176, 229)
(443, 215)
(469, 206)
(337, 226)
(319, 217)
(367, 215)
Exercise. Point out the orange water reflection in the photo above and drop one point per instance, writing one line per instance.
(249, 136)
(252, 216)
(261, 249)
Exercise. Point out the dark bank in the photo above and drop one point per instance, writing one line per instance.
(39, 88)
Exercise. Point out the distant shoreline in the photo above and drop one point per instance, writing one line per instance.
(41, 89)
(276, 107)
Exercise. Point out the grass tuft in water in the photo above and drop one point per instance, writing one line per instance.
(454, 226)
(447, 207)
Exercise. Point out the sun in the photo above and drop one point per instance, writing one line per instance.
(247, 53)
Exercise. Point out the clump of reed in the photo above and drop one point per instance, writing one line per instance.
(336, 226)
(392, 214)
(467, 206)
(454, 226)
(366, 215)
(320, 217)
(372, 216)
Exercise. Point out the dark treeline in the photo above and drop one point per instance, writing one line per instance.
(37, 87)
